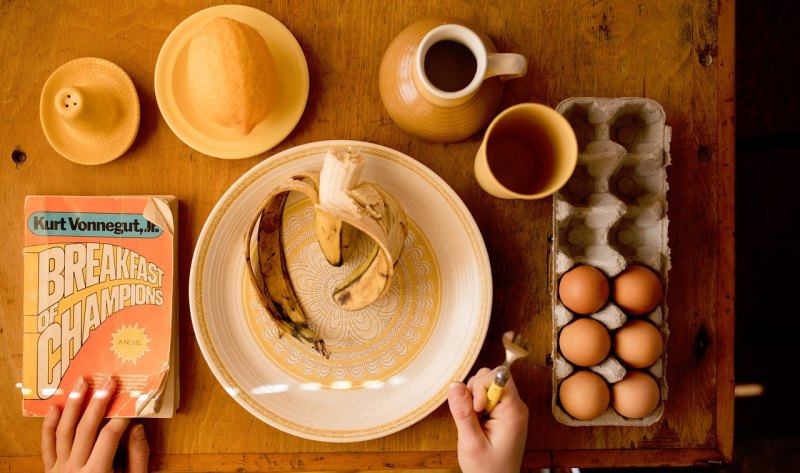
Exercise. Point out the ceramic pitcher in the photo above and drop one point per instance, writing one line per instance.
(441, 79)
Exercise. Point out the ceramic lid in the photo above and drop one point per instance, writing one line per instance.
(89, 110)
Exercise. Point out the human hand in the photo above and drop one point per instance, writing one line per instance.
(496, 445)
(71, 442)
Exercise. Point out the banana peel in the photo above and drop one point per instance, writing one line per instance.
(268, 271)
(342, 208)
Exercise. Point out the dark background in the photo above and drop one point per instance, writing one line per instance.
(766, 437)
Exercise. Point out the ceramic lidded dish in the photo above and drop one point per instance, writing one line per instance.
(612, 214)
(89, 110)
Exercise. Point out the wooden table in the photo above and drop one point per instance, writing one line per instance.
(679, 53)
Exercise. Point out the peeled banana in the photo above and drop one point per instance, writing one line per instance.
(341, 172)
(342, 207)
(382, 218)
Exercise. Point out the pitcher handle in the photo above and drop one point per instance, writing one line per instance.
(507, 65)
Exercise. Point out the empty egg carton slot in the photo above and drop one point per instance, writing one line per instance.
(638, 126)
(636, 179)
(592, 172)
(582, 233)
(584, 129)
(579, 187)
(641, 235)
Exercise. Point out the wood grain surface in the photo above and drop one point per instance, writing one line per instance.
(678, 52)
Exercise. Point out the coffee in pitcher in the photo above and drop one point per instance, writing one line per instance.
(450, 66)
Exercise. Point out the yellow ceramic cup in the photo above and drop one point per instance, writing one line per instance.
(529, 152)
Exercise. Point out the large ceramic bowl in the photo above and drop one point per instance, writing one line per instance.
(392, 361)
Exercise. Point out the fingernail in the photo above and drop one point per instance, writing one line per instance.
(138, 432)
(79, 384)
(51, 411)
(455, 387)
(106, 383)
(104, 388)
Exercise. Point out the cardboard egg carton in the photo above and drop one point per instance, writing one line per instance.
(611, 213)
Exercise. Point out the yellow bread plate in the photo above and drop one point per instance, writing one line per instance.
(192, 126)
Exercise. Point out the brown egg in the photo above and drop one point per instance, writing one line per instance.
(584, 395)
(636, 395)
(638, 343)
(584, 342)
(583, 289)
(637, 290)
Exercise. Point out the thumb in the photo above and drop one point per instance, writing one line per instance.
(460, 400)
(138, 450)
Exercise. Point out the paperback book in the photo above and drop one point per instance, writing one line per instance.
(99, 300)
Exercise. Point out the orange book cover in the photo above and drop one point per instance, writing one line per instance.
(99, 277)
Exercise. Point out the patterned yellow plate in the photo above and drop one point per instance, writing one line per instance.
(392, 361)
